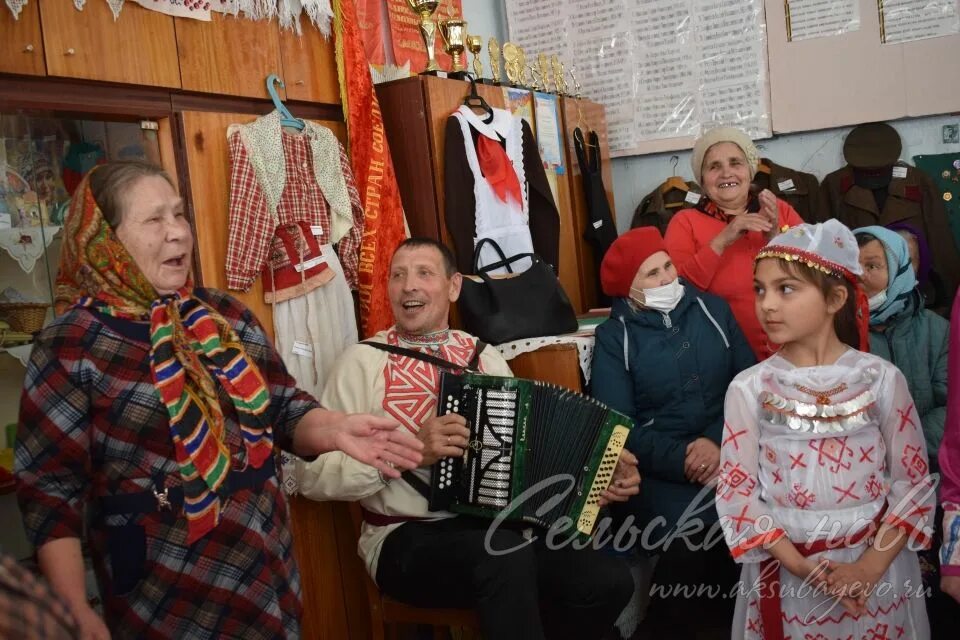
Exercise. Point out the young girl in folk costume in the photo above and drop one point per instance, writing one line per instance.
(824, 474)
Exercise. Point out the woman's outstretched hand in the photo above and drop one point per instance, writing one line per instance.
(379, 443)
(370, 439)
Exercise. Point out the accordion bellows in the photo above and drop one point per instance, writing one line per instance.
(537, 450)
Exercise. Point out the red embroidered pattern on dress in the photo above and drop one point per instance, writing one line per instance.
(831, 453)
(845, 493)
(734, 480)
(875, 487)
(411, 385)
(801, 496)
(732, 438)
(914, 462)
(905, 418)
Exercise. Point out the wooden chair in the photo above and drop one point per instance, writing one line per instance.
(386, 613)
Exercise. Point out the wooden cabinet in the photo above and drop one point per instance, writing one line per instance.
(138, 48)
(228, 56)
(21, 47)
(588, 116)
(308, 60)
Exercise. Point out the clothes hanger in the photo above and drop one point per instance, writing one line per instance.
(286, 118)
(674, 181)
(475, 101)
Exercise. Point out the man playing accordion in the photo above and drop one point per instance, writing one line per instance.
(519, 588)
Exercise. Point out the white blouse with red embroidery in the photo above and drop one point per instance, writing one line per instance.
(818, 453)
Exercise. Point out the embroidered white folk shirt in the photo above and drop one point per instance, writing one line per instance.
(790, 466)
(368, 380)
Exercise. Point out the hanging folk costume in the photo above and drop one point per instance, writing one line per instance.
(496, 187)
(292, 198)
(135, 406)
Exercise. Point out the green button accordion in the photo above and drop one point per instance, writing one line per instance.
(524, 433)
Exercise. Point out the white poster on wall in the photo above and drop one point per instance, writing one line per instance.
(906, 20)
(818, 18)
(662, 69)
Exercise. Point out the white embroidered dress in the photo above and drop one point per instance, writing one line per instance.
(786, 471)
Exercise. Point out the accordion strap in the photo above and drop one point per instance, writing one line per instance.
(473, 365)
(419, 485)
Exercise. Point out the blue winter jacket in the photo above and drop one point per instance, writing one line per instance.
(670, 373)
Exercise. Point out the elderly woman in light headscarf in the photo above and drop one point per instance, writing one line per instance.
(713, 244)
(902, 330)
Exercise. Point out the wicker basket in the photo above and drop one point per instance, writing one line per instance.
(27, 317)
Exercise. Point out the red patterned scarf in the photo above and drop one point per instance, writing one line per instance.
(190, 345)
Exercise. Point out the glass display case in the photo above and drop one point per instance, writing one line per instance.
(43, 155)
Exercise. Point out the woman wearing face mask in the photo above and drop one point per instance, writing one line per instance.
(916, 340)
(714, 243)
(902, 330)
(665, 358)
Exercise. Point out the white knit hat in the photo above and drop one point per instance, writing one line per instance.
(723, 134)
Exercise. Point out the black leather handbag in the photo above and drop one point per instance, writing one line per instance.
(520, 305)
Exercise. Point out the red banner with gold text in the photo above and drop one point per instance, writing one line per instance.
(384, 226)
(405, 33)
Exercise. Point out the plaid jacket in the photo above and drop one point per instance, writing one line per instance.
(29, 610)
(92, 424)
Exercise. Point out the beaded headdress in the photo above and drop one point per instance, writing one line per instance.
(829, 247)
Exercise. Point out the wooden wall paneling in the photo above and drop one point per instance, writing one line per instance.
(403, 106)
(443, 96)
(315, 547)
(208, 165)
(228, 55)
(353, 573)
(309, 65)
(554, 363)
(21, 47)
(90, 98)
(569, 267)
(591, 116)
(138, 48)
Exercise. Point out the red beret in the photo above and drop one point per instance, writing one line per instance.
(624, 257)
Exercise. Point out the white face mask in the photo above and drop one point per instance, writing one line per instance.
(664, 299)
(876, 301)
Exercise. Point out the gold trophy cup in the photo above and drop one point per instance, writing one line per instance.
(428, 30)
(454, 34)
(511, 57)
(493, 49)
(559, 75)
(475, 46)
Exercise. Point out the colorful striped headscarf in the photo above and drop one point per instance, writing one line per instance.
(190, 345)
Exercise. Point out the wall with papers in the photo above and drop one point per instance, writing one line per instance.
(832, 79)
(667, 69)
(664, 69)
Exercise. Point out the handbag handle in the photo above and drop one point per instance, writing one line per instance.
(496, 247)
(503, 262)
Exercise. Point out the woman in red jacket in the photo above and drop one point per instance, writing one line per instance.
(714, 243)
